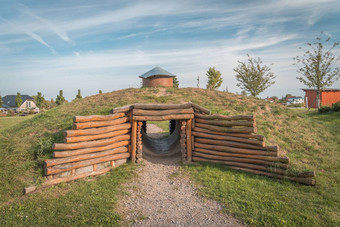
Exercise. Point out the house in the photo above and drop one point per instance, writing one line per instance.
(8, 103)
(294, 100)
(271, 100)
(157, 77)
(328, 97)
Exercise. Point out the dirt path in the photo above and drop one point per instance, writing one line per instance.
(159, 197)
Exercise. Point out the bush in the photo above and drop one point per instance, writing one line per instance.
(336, 106)
(325, 109)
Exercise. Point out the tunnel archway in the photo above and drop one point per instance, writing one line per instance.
(166, 146)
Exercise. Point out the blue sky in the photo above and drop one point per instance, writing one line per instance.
(91, 45)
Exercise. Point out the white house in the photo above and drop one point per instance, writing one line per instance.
(8, 103)
(295, 100)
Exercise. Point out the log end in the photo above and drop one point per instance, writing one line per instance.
(74, 126)
(29, 189)
(75, 119)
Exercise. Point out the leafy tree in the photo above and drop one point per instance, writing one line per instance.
(100, 92)
(275, 98)
(79, 95)
(215, 79)
(18, 100)
(175, 82)
(253, 77)
(0, 101)
(317, 65)
(60, 98)
(39, 100)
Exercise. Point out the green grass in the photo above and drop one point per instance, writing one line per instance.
(6, 122)
(262, 201)
(309, 139)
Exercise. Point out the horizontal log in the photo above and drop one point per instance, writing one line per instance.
(226, 129)
(78, 119)
(141, 112)
(62, 154)
(235, 150)
(240, 160)
(226, 123)
(75, 177)
(238, 135)
(229, 138)
(58, 161)
(122, 109)
(96, 143)
(164, 117)
(305, 174)
(96, 131)
(307, 181)
(200, 108)
(227, 143)
(161, 106)
(224, 117)
(76, 139)
(249, 166)
(69, 166)
(260, 157)
(96, 124)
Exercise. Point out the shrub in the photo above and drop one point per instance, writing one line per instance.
(336, 106)
(325, 109)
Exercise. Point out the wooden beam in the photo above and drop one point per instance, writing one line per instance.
(141, 112)
(200, 108)
(76, 139)
(133, 140)
(96, 124)
(164, 117)
(96, 131)
(226, 123)
(78, 119)
(188, 135)
(161, 106)
(226, 129)
(224, 117)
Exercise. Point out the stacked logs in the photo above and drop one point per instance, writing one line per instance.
(183, 139)
(230, 140)
(94, 146)
(139, 152)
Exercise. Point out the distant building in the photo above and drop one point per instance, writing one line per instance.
(157, 77)
(294, 100)
(328, 97)
(8, 103)
(269, 99)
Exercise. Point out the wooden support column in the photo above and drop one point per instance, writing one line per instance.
(139, 154)
(183, 140)
(133, 140)
(188, 140)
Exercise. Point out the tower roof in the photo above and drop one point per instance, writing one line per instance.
(157, 71)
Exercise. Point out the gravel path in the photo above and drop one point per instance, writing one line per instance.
(159, 196)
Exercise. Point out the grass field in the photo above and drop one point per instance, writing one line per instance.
(6, 122)
(309, 139)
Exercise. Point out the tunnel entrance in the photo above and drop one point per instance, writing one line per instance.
(161, 144)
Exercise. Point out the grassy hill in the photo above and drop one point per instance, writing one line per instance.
(309, 139)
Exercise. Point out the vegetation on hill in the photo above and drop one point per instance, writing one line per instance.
(309, 139)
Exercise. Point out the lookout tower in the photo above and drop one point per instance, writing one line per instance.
(157, 77)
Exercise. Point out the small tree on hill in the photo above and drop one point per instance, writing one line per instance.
(39, 100)
(215, 79)
(175, 82)
(79, 95)
(60, 98)
(100, 92)
(252, 77)
(317, 65)
(18, 100)
(0, 101)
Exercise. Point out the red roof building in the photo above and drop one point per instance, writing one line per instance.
(328, 97)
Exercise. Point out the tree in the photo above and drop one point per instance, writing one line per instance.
(175, 82)
(100, 92)
(79, 95)
(0, 101)
(215, 79)
(39, 100)
(60, 98)
(317, 65)
(18, 100)
(252, 77)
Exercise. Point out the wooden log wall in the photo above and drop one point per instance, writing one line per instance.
(231, 140)
(139, 152)
(94, 146)
(183, 139)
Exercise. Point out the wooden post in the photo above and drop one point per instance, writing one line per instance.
(188, 135)
(183, 140)
(139, 154)
(133, 140)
